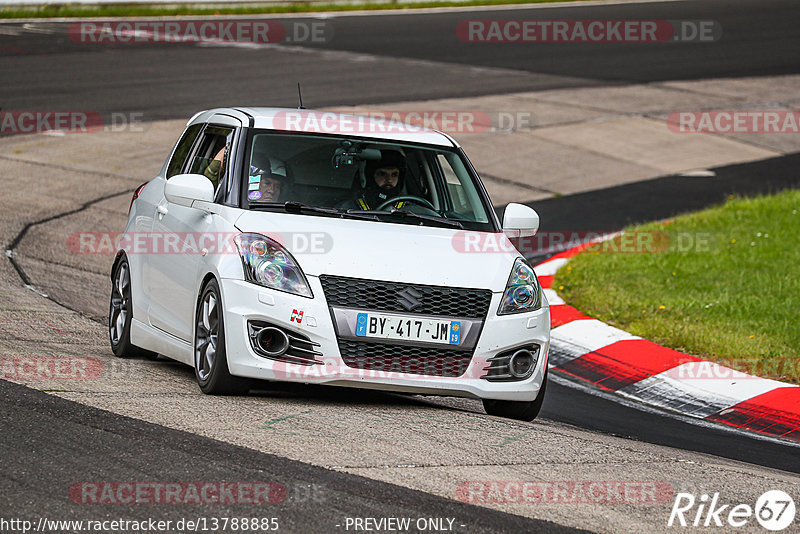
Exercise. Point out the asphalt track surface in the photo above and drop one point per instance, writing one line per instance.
(385, 58)
(315, 499)
(48, 71)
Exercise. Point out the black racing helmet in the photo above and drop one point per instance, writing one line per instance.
(389, 158)
(374, 195)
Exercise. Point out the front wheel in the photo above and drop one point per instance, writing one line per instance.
(210, 358)
(120, 315)
(523, 411)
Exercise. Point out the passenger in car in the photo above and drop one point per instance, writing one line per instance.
(264, 183)
(214, 170)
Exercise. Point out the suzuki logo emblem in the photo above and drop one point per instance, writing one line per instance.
(408, 298)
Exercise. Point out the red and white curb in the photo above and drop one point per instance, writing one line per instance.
(611, 359)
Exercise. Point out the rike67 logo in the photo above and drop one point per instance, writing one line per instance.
(774, 510)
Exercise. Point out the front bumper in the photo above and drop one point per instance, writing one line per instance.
(244, 301)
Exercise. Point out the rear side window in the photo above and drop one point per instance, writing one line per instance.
(182, 150)
(211, 157)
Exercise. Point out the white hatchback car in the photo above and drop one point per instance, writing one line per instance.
(318, 247)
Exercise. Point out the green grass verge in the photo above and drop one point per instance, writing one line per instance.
(140, 10)
(722, 284)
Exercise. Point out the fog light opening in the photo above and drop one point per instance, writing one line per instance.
(273, 341)
(521, 363)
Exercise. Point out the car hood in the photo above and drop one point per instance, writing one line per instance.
(388, 251)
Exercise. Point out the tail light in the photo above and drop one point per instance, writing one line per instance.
(136, 195)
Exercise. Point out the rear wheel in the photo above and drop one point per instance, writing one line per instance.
(120, 314)
(210, 358)
(523, 411)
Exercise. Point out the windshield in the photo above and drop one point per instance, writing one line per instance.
(348, 177)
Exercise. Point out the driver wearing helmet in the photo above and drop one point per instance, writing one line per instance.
(268, 180)
(385, 179)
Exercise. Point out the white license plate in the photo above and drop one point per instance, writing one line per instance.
(408, 328)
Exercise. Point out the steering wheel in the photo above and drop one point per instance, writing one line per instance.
(411, 198)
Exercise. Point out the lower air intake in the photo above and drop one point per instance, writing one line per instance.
(390, 358)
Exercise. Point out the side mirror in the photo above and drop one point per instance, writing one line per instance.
(520, 221)
(185, 189)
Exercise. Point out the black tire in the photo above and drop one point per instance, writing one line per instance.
(210, 356)
(523, 411)
(120, 315)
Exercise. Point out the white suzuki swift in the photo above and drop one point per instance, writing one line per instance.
(318, 247)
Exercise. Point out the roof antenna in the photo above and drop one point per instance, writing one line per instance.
(299, 98)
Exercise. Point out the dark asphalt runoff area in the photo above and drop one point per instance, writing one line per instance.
(51, 446)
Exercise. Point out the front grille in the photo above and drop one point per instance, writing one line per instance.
(388, 297)
(431, 361)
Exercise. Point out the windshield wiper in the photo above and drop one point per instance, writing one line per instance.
(411, 215)
(292, 206)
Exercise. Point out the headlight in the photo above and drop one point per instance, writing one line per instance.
(522, 293)
(268, 264)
